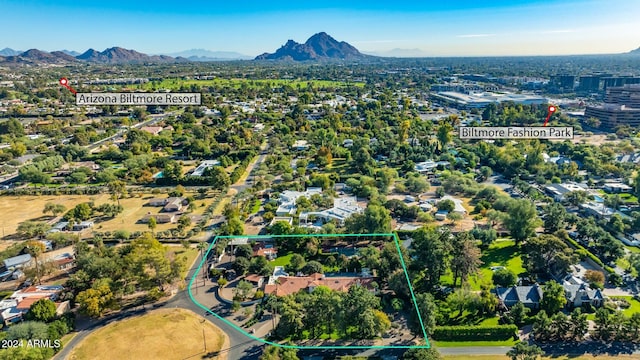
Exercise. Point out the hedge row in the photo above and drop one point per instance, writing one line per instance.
(475, 333)
(589, 254)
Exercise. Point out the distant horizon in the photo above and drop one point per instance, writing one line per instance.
(393, 53)
(463, 28)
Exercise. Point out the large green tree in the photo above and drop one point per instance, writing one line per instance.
(522, 220)
(42, 310)
(522, 351)
(548, 254)
(554, 298)
(375, 220)
(554, 217)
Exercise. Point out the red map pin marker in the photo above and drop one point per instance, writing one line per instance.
(551, 109)
(65, 82)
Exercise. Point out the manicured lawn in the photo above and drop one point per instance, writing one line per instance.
(161, 334)
(256, 206)
(492, 321)
(444, 344)
(282, 260)
(635, 304)
(502, 252)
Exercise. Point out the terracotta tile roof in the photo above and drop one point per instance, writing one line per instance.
(254, 278)
(293, 284)
(27, 302)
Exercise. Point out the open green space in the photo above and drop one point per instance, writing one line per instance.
(503, 252)
(635, 305)
(153, 336)
(282, 260)
(175, 84)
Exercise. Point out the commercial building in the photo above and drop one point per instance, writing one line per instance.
(621, 107)
(481, 100)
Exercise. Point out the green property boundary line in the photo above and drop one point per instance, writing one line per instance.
(342, 347)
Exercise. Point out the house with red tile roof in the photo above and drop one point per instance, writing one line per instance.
(287, 285)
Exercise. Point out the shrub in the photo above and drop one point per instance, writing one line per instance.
(471, 333)
(259, 294)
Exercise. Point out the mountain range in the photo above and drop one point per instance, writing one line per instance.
(208, 55)
(320, 46)
(113, 55)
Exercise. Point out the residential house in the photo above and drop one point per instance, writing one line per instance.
(171, 204)
(17, 262)
(616, 188)
(300, 145)
(342, 209)
(597, 209)
(292, 284)
(581, 295)
(153, 130)
(255, 279)
(529, 296)
(160, 218)
(206, 164)
(558, 191)
(441, 215)
(268, 251)
(13, 308)
(459, 208)
(64, 261)
(288, 198)
(157, 202)
(58, 227)
(174, 204)
(82, 225)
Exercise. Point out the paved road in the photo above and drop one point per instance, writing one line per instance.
(241, 186)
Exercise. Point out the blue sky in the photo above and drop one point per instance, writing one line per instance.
(432, 28)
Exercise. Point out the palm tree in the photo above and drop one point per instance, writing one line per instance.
(35, 248)
(202, 246)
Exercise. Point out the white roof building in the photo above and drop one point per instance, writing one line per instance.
(206, 164)
(300, 145)
(458, 203)
(288, 200)
(342, 209)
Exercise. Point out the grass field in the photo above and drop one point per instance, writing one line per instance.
(161, 334)
(635, 304)
(25, 208)
(282, 260)
(502, 252)
(175, 84)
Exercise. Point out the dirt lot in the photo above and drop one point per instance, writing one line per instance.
(596, 140)
(161, 334)
(23, 208)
